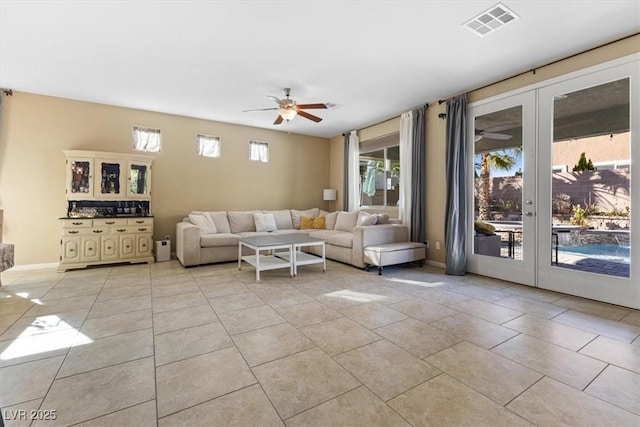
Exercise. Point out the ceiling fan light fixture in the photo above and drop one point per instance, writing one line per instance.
(287, 113)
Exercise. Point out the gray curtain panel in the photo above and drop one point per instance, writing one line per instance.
(455, 219)
(345, 174)
(418, 165)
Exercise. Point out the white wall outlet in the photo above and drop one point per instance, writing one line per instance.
(427, 244)
(437, 246)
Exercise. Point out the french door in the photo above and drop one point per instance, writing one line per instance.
(552, 168)
(593, 254)
(502, 158)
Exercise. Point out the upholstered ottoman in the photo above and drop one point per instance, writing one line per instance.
(393, 253)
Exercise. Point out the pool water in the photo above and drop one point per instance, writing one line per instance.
(605, 252)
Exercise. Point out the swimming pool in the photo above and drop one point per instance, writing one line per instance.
(605, 252)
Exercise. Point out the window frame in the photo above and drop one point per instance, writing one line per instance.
(362, 156)
(262, 144)
(201, 137)
(145, 129)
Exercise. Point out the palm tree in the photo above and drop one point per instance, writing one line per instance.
(503, 160)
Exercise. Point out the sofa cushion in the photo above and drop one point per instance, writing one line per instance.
(220, 239)
(221, 221)
(330, 220)
(295, 215)
(365, 218)
(346, 221)
(203, 222)
(382, 219)
(343, 239)
(264, 221)
(323, 234)
(283, 219)
(254, 234)
(241, 221)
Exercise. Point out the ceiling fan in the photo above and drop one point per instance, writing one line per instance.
(492, 133)
(288, 108)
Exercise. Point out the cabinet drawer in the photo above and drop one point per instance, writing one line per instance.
(77, 223)
(109, 222)
(140, 221)
(132, 229)
(97, 231)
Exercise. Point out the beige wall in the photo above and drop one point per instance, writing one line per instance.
(605, 148)
(436, 132)
(35, 129)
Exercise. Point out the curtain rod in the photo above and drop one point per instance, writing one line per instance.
(533, 70)
(426, 107)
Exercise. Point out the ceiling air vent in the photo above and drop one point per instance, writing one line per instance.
(490, 20)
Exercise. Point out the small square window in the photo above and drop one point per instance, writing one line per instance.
(208, 146)
(146, 139)
(259, 151)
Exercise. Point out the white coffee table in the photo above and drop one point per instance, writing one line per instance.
(261, 261)
(297, 242)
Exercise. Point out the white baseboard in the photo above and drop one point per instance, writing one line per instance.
(436, 264)
(26, 267)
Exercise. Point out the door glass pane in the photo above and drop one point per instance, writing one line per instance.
(591, 177)
(110, 182)
(498, 184)
(138, 175)
(80, 173)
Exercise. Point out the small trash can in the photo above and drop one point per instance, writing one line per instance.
(163, 250)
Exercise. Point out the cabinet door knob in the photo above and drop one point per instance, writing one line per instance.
(110, 222)
(71, 250)
(120, 230)
(73, 232)
(142, 229)
(76, 223)
(140, 221)
(97, 231)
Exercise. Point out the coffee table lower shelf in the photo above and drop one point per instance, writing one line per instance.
(303, 258)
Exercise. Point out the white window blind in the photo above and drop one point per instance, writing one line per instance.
(146, 139)
(259, 151)
(208, 146)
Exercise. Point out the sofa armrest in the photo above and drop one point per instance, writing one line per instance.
(364, 236)
(188, 243)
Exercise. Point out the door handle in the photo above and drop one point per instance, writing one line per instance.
(528, 213)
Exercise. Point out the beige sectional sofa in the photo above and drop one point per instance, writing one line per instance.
(345, 234)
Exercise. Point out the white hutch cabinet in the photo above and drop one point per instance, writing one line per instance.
(108, 219)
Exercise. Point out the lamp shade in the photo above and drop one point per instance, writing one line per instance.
(328, 194)
(287, 113)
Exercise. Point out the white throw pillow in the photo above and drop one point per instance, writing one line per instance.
(265, 222)
(382, 219)
(365, 218)
(203, 222)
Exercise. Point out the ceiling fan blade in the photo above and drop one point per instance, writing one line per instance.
(278, 120)
(503, 127)
(311, 106)
(275, 98)
(492, 135)
(260, 109)
(309, 116)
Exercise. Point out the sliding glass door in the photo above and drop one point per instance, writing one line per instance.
(554, 171)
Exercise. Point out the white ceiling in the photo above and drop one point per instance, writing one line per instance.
(213, 59)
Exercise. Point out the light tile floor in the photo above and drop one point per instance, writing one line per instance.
(160, 345)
